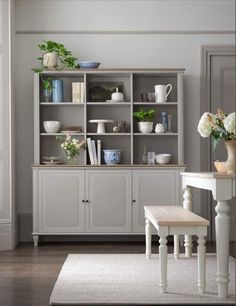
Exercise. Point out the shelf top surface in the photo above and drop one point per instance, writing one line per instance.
(116, 70)
(108, 103)
(210, 175)
(120, 166)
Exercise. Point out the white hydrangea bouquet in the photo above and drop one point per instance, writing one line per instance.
(71, 146)
(220, 126)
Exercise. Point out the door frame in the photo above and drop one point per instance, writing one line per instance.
(207, 51)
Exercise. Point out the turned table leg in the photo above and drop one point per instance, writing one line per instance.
(176, 246)
(163, 263)
(222, 225)
(201, 250)
(187, 204)
(148, 234)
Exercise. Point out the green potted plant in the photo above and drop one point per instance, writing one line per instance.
(53, 54)
(145, 120)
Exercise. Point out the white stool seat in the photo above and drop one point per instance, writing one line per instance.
(176, 220)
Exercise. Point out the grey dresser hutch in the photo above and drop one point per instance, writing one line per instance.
(86, 199)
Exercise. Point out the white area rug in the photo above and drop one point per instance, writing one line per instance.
(131, 279)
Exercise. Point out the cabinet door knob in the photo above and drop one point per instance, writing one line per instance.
(134, 201)
(83, 201)
(87, 201)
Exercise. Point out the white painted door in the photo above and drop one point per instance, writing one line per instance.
(61, 209)
(108, 193)
(153, 188)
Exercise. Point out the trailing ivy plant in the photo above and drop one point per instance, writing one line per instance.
(65, 57)
(47, 83)
(144, 116)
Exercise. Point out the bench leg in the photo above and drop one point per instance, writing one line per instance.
(201, 249)
(148, 234)
(187, 204)
(176, 246)
(163, 263)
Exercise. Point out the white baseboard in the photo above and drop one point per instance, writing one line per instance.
(8, 237)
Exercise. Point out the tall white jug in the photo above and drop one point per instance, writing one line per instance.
(162, 92)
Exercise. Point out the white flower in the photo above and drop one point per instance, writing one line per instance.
(229, 123)
(68, 136)
(62, 145)
(204, 127)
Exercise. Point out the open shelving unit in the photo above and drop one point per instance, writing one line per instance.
(134, 82)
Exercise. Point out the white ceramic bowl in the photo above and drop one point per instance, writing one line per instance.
(163, 158)
(52, 126)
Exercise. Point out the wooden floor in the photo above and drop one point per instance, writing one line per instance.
(28, 274)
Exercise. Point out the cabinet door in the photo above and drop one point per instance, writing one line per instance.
(60, 201)
(109, 195)
(152, 188)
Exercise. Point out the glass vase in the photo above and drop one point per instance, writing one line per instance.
(71, 160)
(47, 95)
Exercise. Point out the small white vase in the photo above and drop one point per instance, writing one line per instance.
(117, 96)
(230, 162)
(50, 60)
(159, 128)
(145, 127)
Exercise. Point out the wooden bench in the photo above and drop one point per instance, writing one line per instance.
(176, 220)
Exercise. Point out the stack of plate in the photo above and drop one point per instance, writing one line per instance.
(51, 160)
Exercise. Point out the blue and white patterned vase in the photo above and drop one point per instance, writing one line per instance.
(112, 157)
(164, 121)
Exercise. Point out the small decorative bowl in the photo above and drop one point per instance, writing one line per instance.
(163, 158)
(51, 126)
(88, 65)
(220, 166)
(112, 157)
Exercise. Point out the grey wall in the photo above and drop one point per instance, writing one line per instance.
(118, 33)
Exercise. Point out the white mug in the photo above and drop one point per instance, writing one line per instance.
(162, 92)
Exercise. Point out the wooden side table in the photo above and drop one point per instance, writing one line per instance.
(222, 187)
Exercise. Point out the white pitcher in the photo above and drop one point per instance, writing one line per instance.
(162, 92)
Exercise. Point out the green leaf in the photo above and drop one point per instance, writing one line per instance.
(215, 142)
(37, 70)
(143, 116)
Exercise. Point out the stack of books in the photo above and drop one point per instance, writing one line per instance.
(78, 95)
(95, 154)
